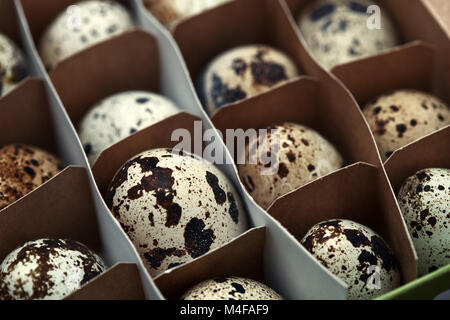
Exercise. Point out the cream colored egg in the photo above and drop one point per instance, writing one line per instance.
(12, 65)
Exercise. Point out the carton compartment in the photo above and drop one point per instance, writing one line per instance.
(63, 209)
(308, 102)
(360, 193)
(242, 257)
(128, 62)
(203, 37)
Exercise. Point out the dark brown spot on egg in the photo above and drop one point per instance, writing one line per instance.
(197, 240)
(219, 193)
(356, 238)
(382, 251)
(233, 211)
(156, 256)
(266, 73)
(283, 171)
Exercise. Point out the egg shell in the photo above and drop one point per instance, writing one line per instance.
(22, 169)
(336, 31)
(348, 249)
(243, 72)
(47, 269)
(304, 155)
(13, 67)
(80, 26)
(174, 207)
(424, 200)
(404, 116)
(231, 288)
(172, 12)
(119, 116)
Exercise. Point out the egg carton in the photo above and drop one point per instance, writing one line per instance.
(288, 267)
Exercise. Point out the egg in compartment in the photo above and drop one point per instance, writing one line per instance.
(13, 67)
(337, 31)
(172, 12)
(243, 72)
(231, 288)
(47, 269)
(23, 168)
(120, 115)
(403, 116)
(80, 26)
(355, 254)
(424, 200)
(303, 155)
(175, 207)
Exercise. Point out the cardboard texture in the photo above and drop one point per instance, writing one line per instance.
(242, 257)
(358, 193)
(431, 151)
(121, 282)
(440, 9)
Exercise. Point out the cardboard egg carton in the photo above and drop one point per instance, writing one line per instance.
(151, 58)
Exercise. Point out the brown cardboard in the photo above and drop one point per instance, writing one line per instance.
(156, 136)
(64, 209)
(9, 24)
(242, 257)
(408, 67)
(121, 282)
(126, 62)
(203, 37)
(40, 14)
(359, 193)
(431, 151)
(441, 12)
(320, 105)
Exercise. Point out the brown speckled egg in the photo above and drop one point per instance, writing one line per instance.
(172, 12)
(424, 199)
(232, 288)
(80, 26)
(174, 207)
(22, 169)
(404, 116)
(243, 72)
(303, 156)
(12, 65)
(353, 253)
(47, 269)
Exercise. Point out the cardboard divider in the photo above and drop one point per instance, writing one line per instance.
(121, 282)
(156, 136)
(310, 103)
(431, 151)
(242, 257)
(203, 37)
(40, 14)
(359, 193)
(63, 209)
(9, 24)
(128, 62)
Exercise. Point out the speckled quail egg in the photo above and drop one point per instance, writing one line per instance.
(404, 116)
(303, 156)
(241, 73)
(12, 65)
(172, 12)
(119, 116)
(80, 26)
(232, 288)
(337, 32)
(424, 199)
(47, 269)
(355, 254)
(22, 169)
(174, 207)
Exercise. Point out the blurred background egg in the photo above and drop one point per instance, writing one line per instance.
(12, 65)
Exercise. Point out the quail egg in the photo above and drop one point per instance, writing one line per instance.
(424, 200)
(80, 26)
(119, 116)
(300, 153)
(22, 169)
(12, 65)
(404, 116)
(243, 72)
(175, 207)
(355, 254)
(47, 269)
(231, 288)
(337, 31)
